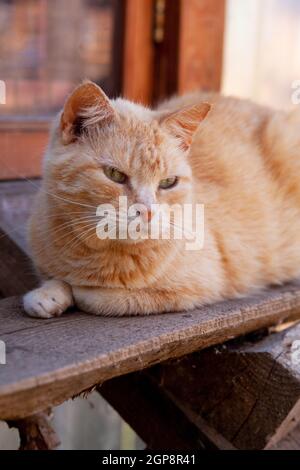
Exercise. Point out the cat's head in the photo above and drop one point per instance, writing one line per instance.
(102, 149)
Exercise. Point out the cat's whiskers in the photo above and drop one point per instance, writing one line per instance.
(183, 230)
(56, 196)
(80, 237)
(77, 239)
(69, 201)
(64, 235)
(102, 223)
(68, 224)
(96, 221)
(58, 215)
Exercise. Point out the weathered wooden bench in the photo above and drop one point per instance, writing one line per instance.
(180, 380)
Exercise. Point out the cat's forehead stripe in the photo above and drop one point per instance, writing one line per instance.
(144, 152)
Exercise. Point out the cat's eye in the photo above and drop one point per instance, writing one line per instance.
(168, 183)
(115, 175)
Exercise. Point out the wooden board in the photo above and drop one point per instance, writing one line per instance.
(290, 442)
(166, 49)
(143, 403)
(201, 45)
(16, 198)
(49, 361)
(138, 60)
(144, 406)
(247, 390)
(16, 270)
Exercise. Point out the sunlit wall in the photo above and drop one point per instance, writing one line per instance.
(262, 50)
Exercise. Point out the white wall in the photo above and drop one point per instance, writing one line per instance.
(262, 50)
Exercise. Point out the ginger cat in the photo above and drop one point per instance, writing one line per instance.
(240, 160)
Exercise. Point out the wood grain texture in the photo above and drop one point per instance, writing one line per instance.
(36, 432)
(201, 45)
(17, 274)
(290, 442)
(16, 270)
(143, 405)
(166, 53)
(48, 361)
(249, 392)
(16, 199)
(138, 60)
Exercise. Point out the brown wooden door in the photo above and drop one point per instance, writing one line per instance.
(172, 46)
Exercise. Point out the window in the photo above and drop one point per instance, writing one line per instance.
(47, 47)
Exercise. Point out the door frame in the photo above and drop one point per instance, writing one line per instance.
(187, 56)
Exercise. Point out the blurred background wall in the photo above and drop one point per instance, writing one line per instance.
(262, 50)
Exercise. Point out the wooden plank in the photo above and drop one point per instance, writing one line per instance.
(166, 48)
(49, 361)
(249, 392)
(16, 271)
(16, 198)
(290, 442)
(138, 62)
(143, 404)
(201, 45)
(36, 432)
(16, 278)
(150, 413)
(112, 85)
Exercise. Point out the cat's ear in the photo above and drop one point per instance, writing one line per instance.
(87, 105)
(184, 123)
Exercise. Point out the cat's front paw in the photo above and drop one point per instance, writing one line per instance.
(50, 300)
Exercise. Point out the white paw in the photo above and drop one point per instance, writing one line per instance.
(48, 301)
